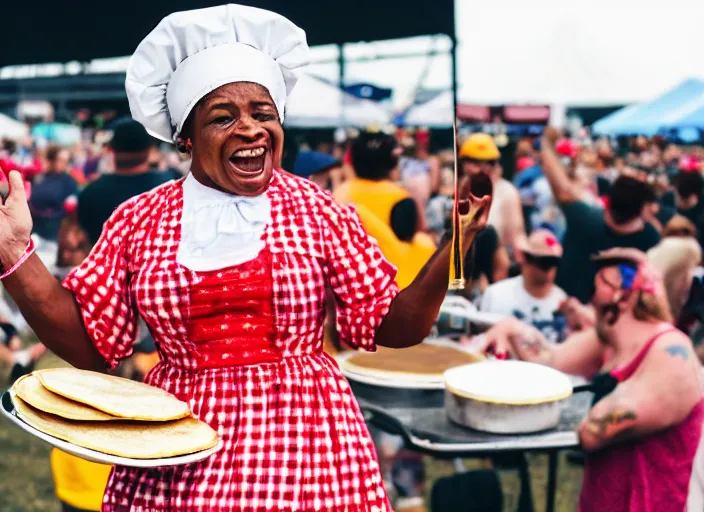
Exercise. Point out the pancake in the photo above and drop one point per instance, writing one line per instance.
(124, 398)
(31, 391)
(424, 359)
(132, 439)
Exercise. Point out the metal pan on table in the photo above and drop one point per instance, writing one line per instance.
(506, 397)
(398, 389)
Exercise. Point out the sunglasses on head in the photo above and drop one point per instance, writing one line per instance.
(542, 262)
(489, 163)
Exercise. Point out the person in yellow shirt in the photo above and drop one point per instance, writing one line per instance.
(387, 210)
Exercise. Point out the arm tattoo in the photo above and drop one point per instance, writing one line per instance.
(534, 346)
(616, 416)
(678, 351)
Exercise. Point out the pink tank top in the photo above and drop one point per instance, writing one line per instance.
(647, 475)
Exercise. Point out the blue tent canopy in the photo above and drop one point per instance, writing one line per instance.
(693, 120)
(59, 133)
(649, 118)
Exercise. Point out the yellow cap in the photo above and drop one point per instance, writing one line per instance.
(479, 146)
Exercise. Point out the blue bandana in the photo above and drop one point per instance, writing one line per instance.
(628, 275)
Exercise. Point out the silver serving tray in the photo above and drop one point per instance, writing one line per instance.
(8, 410)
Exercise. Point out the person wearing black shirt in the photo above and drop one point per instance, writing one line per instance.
(134, 175)
(688, 199)
(591, 229)
(131, 145)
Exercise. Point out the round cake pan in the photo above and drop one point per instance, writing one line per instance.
(502, 418)
(506, 397)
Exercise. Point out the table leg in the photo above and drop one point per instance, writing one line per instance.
(525, 500)
(552, 481)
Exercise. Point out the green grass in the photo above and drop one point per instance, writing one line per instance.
(26, 483)
(569, 481)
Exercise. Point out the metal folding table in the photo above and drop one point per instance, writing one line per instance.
(428, 430)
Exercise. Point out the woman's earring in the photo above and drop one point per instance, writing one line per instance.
(184, 146)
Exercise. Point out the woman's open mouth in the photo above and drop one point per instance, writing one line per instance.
(249, 161)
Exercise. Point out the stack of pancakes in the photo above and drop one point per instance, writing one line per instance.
(109, 414)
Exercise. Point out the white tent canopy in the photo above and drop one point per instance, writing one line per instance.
(544, 52)
(435, 113)
(12, 129)
(317, 104)
(576, 53)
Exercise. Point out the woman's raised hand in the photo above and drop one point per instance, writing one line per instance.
(474, 203)
(15, 222)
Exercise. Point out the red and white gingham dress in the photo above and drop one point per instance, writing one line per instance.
(295, 439)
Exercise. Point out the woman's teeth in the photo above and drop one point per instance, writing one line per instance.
(249, 153)
(249, 160)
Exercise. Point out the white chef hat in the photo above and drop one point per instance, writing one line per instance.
(192, 53)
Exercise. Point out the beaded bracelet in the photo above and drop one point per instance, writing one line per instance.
(27, 253)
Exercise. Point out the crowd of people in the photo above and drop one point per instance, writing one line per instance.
(640, 206)
(204, 269)
(593, 257)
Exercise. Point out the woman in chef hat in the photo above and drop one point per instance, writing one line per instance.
(228, 267)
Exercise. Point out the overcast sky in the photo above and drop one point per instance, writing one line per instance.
(597, 52)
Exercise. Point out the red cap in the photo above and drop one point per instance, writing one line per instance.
(689, 164)
(524, 162)
(566, 147)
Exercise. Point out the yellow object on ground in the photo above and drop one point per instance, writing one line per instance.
(79, 483)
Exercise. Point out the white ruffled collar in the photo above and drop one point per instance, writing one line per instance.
(220, 229)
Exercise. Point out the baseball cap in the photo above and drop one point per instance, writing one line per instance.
(312, 162)
(542, 243)
(480, 146)
(689, 164)
(566, 147)
(130, 136)
(523, 163)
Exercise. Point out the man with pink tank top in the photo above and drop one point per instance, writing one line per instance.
(643, 430)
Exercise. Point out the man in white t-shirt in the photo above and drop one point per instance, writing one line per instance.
(533, 296)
